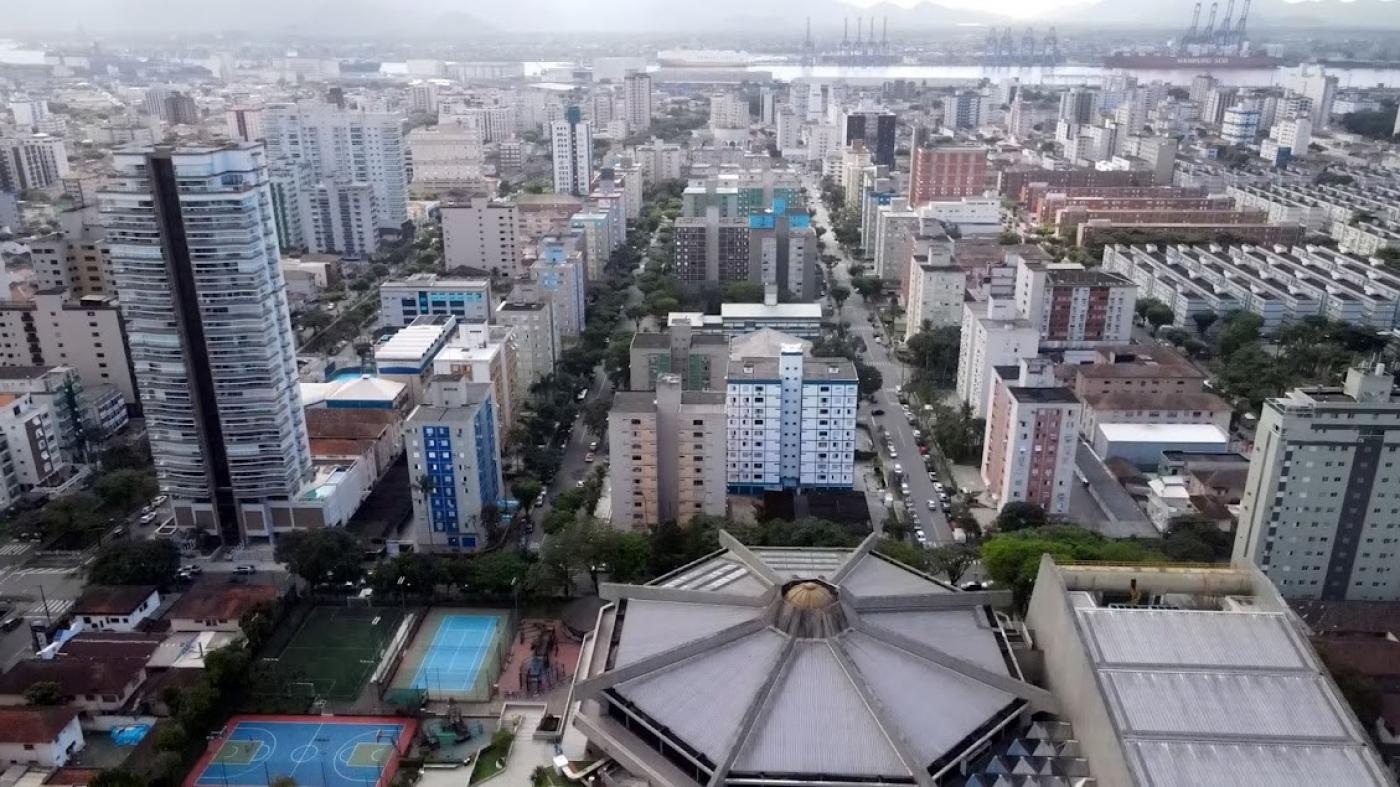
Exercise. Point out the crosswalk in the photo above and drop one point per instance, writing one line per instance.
(14, 548)
(41, 570)
(56, 608)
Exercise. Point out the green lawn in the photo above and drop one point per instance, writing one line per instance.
(492, 759)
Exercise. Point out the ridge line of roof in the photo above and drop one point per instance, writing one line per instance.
(872, 704)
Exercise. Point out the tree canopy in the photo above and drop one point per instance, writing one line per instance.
(321, 557)
(151, 562)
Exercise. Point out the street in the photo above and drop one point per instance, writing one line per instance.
(858, 313)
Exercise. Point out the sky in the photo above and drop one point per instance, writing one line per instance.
(1039, 9)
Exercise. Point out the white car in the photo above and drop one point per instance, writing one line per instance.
(898, 468)
(933, 505)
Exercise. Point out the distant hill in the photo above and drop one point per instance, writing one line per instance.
(1262, 13)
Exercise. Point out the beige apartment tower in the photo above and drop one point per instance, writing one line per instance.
(668, 454)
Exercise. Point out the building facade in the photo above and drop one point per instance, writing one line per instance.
(194, 253)
(454, 462)
(791, 423)
(1032, 433)
(571, 142)
(482, 233)
(401, 301)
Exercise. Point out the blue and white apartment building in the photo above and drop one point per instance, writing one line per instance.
(791, 423)
(401, 301)
(456, 450)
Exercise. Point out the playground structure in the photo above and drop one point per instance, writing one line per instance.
(542, 658)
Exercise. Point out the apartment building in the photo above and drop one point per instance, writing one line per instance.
(212, 344)
(1013, 182)
(351, 145)
(937, 289)
(482, 233)
(711, 248)
(455, 463)
(668, 455)
(942, 173)
(87, 335)
(560, 272)
(872, 128)
(571, 142)
(1279, 286)
(993, 334)
(74, 263)
(446, 157)
(782, 249)
(700, 360)
(32, 161)
(1074, 307)
(1318, 514)
(30, 455)
(659, 160)
(536, 335)
(791, 423)
(401, 301)
(896, 224)
(636, 101)
(1151, 369)
(485, 354)
(340, 217)
(544, 215)
(1031, 437)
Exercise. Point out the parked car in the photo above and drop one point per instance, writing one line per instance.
(245, 570)
(10, 624)
(192, 569)
(932, 505)
(148, 518)
(159, 500)
(589, 457)
(593, 446)
(877, 411)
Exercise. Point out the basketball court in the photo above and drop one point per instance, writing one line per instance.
(316, 751)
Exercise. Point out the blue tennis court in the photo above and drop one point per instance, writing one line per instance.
(457, 653)
(317, 751)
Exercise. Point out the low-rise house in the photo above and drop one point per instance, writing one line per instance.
(215, 606)
(39, 736)
(116, 607)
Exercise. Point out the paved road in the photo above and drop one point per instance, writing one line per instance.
(858, 313)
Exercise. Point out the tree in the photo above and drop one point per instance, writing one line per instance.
(904, 552)
(868, 286)
(124, 490)
(171, 736)
(414, 573)
(1019, 515)
(283, 781)
(73, 516)
(526, 490)
(1359, 689)
(151, 562)
(1238, 328)
(496, 573)
(869, 378)
(45, 692)
(953, 560)
(839, 294)
(1008, 238)
(329, 556)
(743, 292)
(116, 777)
(1204, 320)
(895, 528)
(627, 555)
(257, 623)
(1154, 312)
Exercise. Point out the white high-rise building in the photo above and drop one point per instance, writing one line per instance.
(1240, 125)
(37, 161)
(337, 217)
(636, 101)
(368, 147)
(789, 128)
(571, 140)
(1318, 512)
(423, 97)
(446, 156)
(728, 110)
(659, 160)
(194, 255)
(791, 423)
(29, 112)
(245, 124)
(936, 290)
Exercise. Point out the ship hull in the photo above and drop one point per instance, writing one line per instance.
(1191, 61)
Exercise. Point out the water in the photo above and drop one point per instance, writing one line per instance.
(1074, 75)
(352, 373)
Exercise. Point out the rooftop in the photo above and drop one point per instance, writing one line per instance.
(760, 311)
(1038, 395)
(798, 666)
(77, 676)
(1137, 400)
(347, 424)
(1175, 434)
(1206, 679)
(112, 599)
(220, 601)
(34, 725)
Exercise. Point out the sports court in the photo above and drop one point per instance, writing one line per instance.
(316, 751)
(335, 649)
(456, 654)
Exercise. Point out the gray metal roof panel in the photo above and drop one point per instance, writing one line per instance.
(964, 633)
(1192, 638)
(1177, 763)
(703, 699)
(651, 627)
(795, 563)
(1205, 705)
(817, 722)
(933, 707)
(874, 576)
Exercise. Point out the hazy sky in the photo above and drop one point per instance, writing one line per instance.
(1031, 9)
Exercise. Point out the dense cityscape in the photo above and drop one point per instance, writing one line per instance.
(666, 395)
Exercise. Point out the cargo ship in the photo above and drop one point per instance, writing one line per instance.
(1191, 61)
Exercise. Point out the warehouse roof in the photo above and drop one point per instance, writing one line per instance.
(1176, 434)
